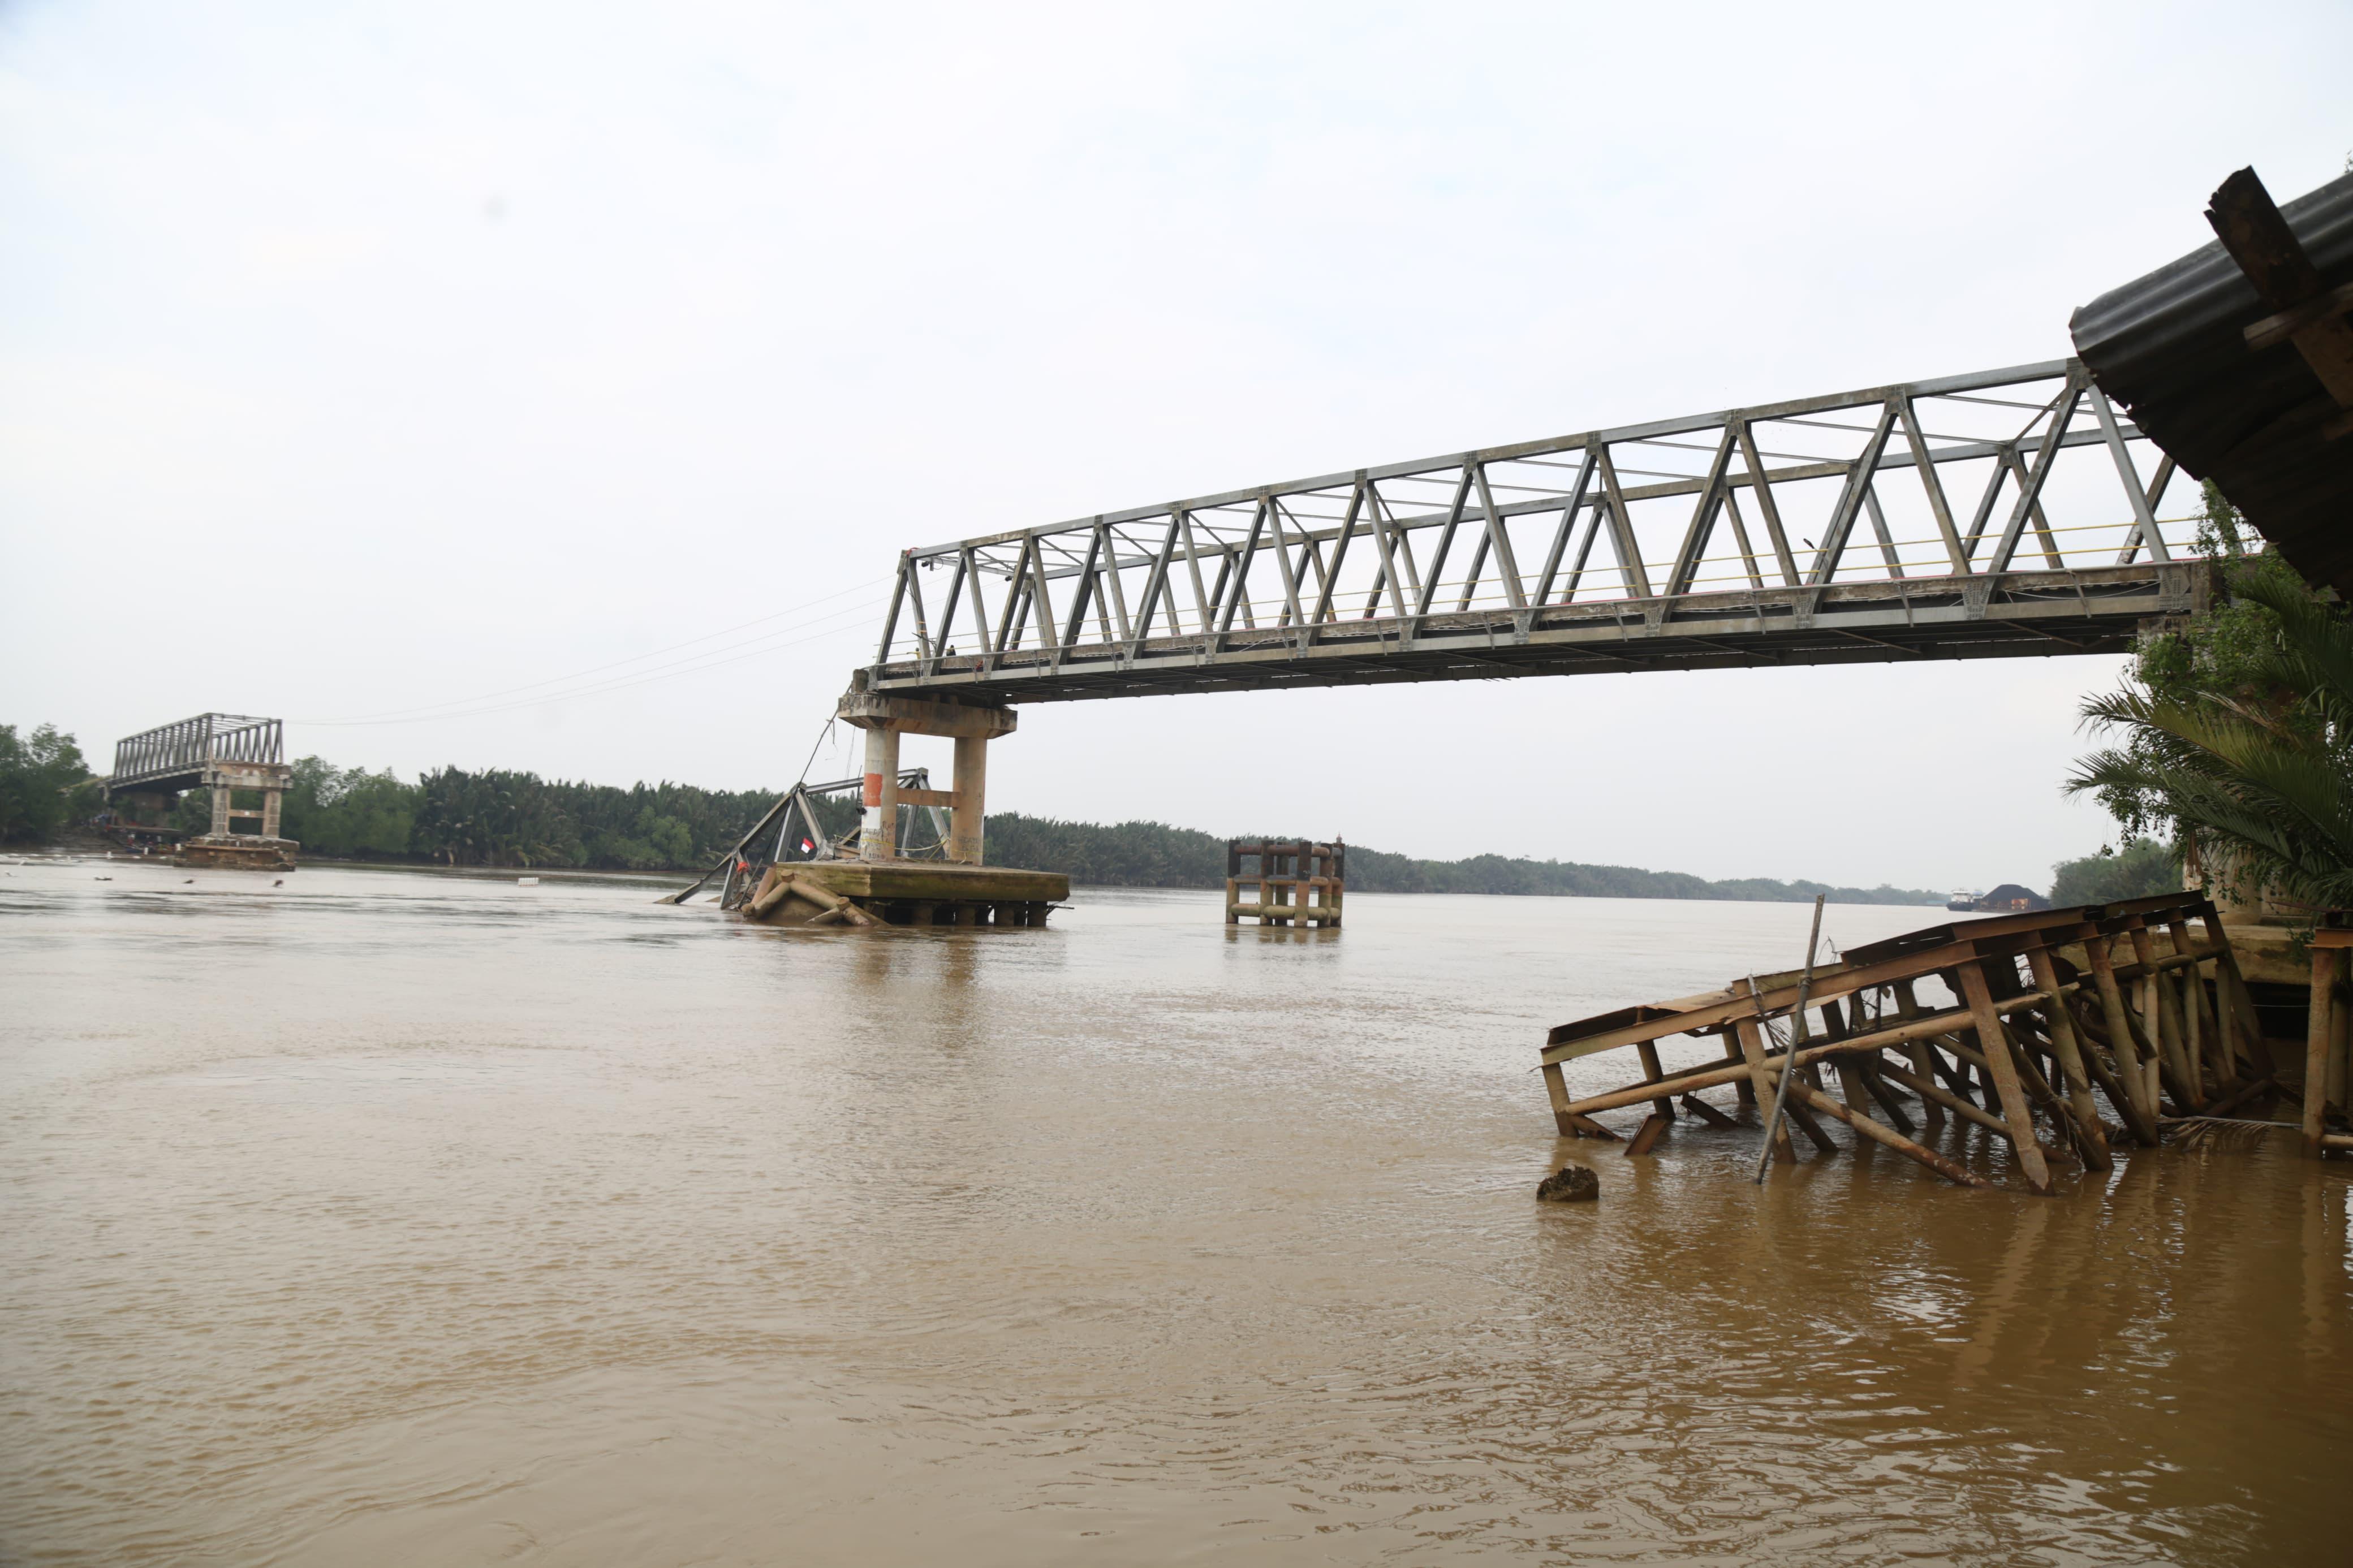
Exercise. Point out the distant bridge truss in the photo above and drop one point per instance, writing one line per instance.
(2005, 513)
(187, 754)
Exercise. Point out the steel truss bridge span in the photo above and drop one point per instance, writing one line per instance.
(2004, 514)
(181, 756)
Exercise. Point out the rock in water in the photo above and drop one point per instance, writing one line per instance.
(1570, 1185)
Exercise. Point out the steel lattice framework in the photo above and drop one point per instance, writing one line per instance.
(1821, 530)
(174, 756)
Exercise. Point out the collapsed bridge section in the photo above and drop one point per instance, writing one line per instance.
(230, 754)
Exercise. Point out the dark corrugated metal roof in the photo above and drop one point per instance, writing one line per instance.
(2171, 347)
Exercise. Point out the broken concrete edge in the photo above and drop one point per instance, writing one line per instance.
(902, 892)
(235, 851)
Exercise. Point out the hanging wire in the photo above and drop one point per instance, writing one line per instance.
(695, 663)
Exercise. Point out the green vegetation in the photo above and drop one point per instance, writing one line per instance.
(497, 818)
(2237, 731)
(348, 813)
(1155, 855)
(2144, 867)
(44, 784)
(454, 817)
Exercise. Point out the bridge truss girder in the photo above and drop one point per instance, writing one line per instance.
(177, 756)
(1319, 581)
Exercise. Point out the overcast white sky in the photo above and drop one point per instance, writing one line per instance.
(366, 359)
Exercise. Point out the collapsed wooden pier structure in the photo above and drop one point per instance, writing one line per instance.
(1298, 882)
(2023, 1025)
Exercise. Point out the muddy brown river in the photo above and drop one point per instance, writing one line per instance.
(395, 1218)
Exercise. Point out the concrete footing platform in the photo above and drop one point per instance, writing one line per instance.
(233, 851)
(903, 893)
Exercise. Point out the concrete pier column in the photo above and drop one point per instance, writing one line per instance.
(884, 719)
(222, 792)
(269, 803)
(877, 834)
(971, 807)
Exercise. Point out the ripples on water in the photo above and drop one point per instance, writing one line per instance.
(391, 1217)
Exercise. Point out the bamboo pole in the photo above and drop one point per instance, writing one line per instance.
(1918, 1054)
(1803, 1121)
(1934, 1026)
(2070, 1052)
(1745, 1088)
(2336, 1095)
(2165, 1022)
(1649, 1051)
(2005, 1076)
(2319, 1036)
(1752, 1051)
(1706, 1112)
(1936, 1094)
(1874, 1079)
(1797, 1033)
(2130, 1066)
(2204, 1035)
(1927, 1057)
(1878, 1133)
(1654, 1126)
(2235, 994)
(2143, 1129)
(1556, 1091)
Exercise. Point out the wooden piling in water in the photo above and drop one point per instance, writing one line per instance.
(1298, 882)
(2325, 1037)
(2044, 1036)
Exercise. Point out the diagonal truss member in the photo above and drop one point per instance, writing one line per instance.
(2006, 513)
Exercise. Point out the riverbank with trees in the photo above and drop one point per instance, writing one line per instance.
(497, 817)
(505, 818)
(2233, 732)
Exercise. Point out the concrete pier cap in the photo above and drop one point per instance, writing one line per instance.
(884, 720)
(915, 716)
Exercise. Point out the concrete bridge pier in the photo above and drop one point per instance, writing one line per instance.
(884, 720)
(880, 887)
(971, 792)
(878, 834)
(225, 779)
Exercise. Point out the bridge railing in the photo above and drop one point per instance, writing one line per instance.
(190, 743)
(2023, 469)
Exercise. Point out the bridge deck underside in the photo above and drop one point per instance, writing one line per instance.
(161, 783)
(2095, 611)
(172, 757)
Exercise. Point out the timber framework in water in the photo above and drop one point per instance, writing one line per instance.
(2042, 1020)
(1296, 882)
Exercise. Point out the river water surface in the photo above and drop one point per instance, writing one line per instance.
(398, 1218)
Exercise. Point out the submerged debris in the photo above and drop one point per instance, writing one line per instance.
(1570, 1185)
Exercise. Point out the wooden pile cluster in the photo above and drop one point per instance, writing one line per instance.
(1297, 882)
(2139, 1004)
(2329, 1037)
(782, 882)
